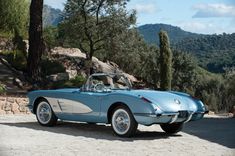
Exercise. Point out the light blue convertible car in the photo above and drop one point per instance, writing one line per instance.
(109, 98)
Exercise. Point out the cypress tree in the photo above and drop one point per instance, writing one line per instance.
(165, 62)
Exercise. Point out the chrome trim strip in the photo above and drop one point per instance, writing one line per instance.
(189, 118)
(166, 114)
(174, 118)
(156, 115)
(200, 112)
(59, 104)
(146, 114)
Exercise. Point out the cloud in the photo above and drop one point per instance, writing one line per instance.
(214, 10)
(201, 27)
(145, 8)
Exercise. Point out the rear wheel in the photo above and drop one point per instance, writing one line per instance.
(45, 114)
(172, 128)
(123, 122)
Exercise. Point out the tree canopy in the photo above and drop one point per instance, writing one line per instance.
(14, 15)
(90, 23)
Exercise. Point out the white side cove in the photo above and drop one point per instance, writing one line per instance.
(68, 106)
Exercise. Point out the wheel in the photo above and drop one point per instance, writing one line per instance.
(123, 122)
(45, 114)
(172, 128)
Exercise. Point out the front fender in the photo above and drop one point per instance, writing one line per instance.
(135, 104)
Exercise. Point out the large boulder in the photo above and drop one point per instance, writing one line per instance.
(77, 59)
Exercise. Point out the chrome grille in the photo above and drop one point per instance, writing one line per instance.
(183, 114)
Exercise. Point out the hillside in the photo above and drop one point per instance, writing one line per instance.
(213, 52)
(51, 16)
(150, 33)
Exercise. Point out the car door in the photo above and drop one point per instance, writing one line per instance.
(87, 106)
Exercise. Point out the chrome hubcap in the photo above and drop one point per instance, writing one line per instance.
(44, 112)
(121, 121)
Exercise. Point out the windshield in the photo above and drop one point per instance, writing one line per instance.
(108, 82)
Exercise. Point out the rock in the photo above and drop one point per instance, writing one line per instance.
(18, 82)
(2, 99)
(72, 73)
(76, 54)
(13, 105)
(10, 99)
(2, 112)
(15, 108)
(230, 114)
(21, 101)
(9, 112)
(22, 108)
(7, 107)
(2, 104)
(211, 113)
(28, 111)
(59, 77)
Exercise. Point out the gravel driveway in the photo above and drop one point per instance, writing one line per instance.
(22, 135)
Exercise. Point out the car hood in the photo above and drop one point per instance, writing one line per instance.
(167, 100)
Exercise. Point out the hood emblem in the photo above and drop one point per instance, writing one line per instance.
(177, 101)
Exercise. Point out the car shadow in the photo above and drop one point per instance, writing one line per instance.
(96, 131)
(217, 130)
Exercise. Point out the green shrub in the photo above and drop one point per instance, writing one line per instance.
(78, 81)
(50, 34)
(49, 67)
(2, 89)
(16, 58)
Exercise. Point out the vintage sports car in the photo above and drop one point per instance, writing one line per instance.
(109, 98)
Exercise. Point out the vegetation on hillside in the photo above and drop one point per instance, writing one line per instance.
(175, 34)
(214, 52)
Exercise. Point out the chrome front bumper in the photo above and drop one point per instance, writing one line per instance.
(169, 117)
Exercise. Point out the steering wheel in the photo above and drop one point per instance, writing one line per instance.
(99, 86)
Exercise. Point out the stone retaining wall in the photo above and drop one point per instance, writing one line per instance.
(13, 105)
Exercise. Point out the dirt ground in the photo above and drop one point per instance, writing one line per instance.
(22, 135)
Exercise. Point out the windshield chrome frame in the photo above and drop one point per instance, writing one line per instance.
(86, 86)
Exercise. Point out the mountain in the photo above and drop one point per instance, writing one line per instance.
(51, 16)
(213, 52)
(150, 33)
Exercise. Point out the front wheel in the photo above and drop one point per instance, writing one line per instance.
(123, 122)
(172, 128)
(45, 114)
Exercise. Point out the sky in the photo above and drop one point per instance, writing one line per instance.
(199, 16)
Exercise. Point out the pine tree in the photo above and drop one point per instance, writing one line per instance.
(165, 62)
